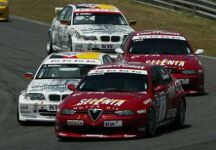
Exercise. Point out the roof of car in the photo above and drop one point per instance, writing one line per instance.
(122, 67)
(79, 55)
(94, 58)
(126, 65)
(96, 8)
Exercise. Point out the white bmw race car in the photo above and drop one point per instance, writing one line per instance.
(48, 87)
(88, 27)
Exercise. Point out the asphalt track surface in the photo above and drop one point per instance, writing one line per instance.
(23, 47)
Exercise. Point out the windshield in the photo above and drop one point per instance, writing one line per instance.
(159, 46)
(63, 71)
(98, 18)
(127, 82)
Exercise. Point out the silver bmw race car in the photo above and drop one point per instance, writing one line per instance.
(48, 87)
(88, 27)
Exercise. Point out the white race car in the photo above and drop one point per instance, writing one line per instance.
(88, 27)
(49, 85)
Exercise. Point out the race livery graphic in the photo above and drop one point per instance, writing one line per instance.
(88, 27)
(168, 49)
(121, 100)
(48, 87)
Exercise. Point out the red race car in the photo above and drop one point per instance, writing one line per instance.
(122, 100)
(169, 49)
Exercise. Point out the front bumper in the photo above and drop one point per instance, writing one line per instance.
(192, 84)
(132, 126)
(36, 110)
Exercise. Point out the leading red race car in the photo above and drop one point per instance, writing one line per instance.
(169, 49)
(121, 100)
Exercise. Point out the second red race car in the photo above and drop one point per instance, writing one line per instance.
(169, 49)
(122, 100)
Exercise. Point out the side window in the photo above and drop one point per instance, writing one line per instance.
(156, 77)
(62, 13)
(68, 14)
(165, 76)
(125, 41)
(107, 59)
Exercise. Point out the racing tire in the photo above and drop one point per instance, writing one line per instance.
(150, 123)
(180, 116)
(49, 45)
(70, 44)
(18, 120)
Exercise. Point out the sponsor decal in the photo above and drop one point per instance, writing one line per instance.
(147, 101)
(139, 38)
(166, 62)
(142, 111)
(158, 32)
(102, 71)
(101, 101)
(53, 107)
(58, 87)
(121, 66)
(107, 46)
(73, 61)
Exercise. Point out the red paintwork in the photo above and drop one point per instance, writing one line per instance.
(191, 62)
(124, 101)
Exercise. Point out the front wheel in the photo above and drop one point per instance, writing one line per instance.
(70, 44)
(151, 123)
(180, 116)
(49, 46)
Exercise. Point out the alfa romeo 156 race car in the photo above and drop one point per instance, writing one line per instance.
(169, 49)
(49, 85)
(88, 27)
(121, 100)
(4, 10)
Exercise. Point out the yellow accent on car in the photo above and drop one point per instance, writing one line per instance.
(89, 55)
(103, 6)
(4, 10)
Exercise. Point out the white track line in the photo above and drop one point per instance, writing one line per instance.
(29, 20)
(46, 24)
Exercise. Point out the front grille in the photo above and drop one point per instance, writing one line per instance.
(44, 112)
(115, 38)
(105, 38)
(54, 97)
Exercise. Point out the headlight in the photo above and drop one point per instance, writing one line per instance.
(2, 4)
(124, 112)
(90, 38)
(34, 96)
(68, 112)
(190, 71)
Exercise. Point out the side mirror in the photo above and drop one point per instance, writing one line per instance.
(159, 88)
(29, 75)
(199, 51)
(58, 9)
(119, 50)
(65, 22)
(132, 22)
(71, 87)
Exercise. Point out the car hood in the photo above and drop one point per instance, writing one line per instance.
(51, 85)
(103, 29)
(173, 61)
(105, 100)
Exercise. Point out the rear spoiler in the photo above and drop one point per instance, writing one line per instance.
(58, 9)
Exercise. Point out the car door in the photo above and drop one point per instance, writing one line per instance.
(59, 27)
(160, 89)
(63, 30)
